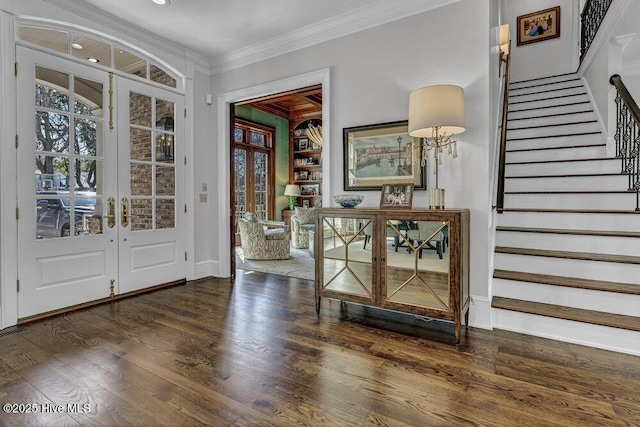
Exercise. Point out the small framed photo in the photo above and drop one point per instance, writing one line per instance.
(396, 196)
(303, 144)
(539, 26)
(310, 189)
(305, 203)
(303, 175)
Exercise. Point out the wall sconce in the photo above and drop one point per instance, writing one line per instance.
(505, 46)
(436, 114)
(293, 191)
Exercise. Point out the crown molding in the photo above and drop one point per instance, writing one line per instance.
(123, 28)
(360, 19)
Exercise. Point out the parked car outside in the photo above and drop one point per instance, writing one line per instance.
(53, 215)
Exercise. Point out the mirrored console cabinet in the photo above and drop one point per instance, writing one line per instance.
(412, 261)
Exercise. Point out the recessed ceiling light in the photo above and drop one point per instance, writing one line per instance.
(161, 2)
(94, 60)
(76, 46)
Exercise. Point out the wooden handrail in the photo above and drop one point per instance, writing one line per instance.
(627, 136)
(503, 135)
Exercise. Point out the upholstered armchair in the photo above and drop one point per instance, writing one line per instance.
(301, 223)
(263, 240)
(433, 232)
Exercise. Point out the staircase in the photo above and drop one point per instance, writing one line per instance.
(567, 256)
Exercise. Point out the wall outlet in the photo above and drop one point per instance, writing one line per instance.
(203, 197)
(204, 187)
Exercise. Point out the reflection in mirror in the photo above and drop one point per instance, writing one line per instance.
(417, 267)
(347, 265)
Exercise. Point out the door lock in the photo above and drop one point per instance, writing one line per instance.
(111, 212)
(124, 212)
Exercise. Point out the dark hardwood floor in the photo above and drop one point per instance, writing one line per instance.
(252, 353)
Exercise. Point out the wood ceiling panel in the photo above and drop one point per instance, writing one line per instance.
(293, 105)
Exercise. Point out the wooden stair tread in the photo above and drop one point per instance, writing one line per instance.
(543, 91)
(572, 211)
(594, 317)
(553, 125)
(570, 282)
(584, 256)
(549, 106)
(574, 192)
(569, 175)
(597, 132)
(546, 116)
(549, 98)
(545, 78)
(564, 147)
(591, 159)
(603, 233)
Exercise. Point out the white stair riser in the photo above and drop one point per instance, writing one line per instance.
(571, 221)
(569, 242)
(571, 201)
(548, 102)
(554, 142)
(558, 154)
(553, 130)
(521, 89)
(595, 270)
(551, 120)
(520, 111)
(556, 168)
(530, 95)
(544, 82)
(610, 302)
(581, 183)
(614, 339)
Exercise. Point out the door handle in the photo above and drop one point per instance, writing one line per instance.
(111, 212)
(124, 212)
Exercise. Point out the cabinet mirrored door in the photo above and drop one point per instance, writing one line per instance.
(417, 263)
(347, 252)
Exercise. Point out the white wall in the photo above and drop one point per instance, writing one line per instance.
(372, 74)
(546, 58)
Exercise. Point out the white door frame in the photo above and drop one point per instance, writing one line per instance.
(224, 148)
(8, 166)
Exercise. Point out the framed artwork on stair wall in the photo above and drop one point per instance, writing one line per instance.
(538, 26)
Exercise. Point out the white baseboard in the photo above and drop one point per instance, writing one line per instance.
(206, 269)
(618, 340)
(480, 312)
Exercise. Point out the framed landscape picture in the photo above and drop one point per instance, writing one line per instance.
(539, 26)
(375, 155)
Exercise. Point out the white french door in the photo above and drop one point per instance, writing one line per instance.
(150, 183)
(97, 191)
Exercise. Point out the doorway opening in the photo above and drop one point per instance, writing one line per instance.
(293, 159)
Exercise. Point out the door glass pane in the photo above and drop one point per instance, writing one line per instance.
(141, 183)
(68, 180)
(91, 49)
(129, 63)
(139, 110)
(52, 89)
(165, 213)
(164, 147)
(240, 182)
(165, 181)
(87, 97)
(238, 135)
(261, 198)
(141, 214)
(52, 39)
(87, 133)
(258, 139)
(52, 132)
(160, 76)
(139, 144)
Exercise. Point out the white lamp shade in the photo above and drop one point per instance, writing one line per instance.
(504, 38)
(292, 190)
(431, 106)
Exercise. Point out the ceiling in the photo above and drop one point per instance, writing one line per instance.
(226, 33)
(296, 105)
